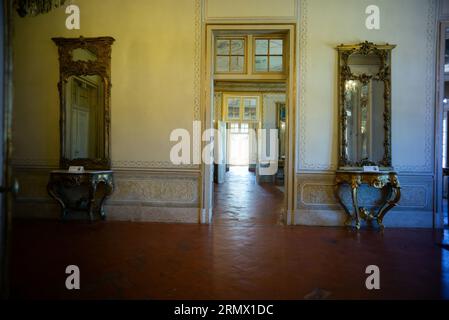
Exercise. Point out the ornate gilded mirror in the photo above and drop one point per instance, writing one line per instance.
(365, 105)
(85, 91)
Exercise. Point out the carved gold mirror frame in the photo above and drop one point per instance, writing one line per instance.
(383, 53)
(100, 66)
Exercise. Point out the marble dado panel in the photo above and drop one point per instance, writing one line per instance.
(316, 191)
(157, 188)
(138, 195)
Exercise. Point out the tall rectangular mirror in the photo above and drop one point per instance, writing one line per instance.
(85, 89)
(365, 105)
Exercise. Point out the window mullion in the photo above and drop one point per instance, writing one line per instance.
(242, 109)
(229, 55)
(268, 56)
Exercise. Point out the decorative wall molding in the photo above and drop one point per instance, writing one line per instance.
(139, 164)
(395, 219)
(322, 194)
(116, 164)
(197, 62)
(427, 166)
(138, 195)
(431, 39)
(303, 69)
(317, 205)
(414, 196)
(316, 192)
(156, 189)
(144, 186)
(253, 19)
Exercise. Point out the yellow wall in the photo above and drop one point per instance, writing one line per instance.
(153, 74)
(152, 77)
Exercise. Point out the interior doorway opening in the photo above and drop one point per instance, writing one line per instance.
(251, 65)
(243, 193)
(239, 142)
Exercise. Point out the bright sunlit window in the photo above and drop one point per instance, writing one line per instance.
(241, 108)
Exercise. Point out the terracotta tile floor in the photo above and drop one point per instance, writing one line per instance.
(245, 254)
(241, 201)
(120, 260)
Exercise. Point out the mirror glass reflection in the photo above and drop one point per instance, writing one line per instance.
(364, 91)
(363, 107)
(84, 103)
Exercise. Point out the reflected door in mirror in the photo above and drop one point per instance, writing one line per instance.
(84, 103)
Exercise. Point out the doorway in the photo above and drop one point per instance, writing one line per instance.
(239, 142)
(251, 59)
(243, 194)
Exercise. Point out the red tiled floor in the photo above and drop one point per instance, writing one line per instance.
(120, 260)
(241, 201)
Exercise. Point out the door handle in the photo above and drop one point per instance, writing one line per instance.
(14, 189)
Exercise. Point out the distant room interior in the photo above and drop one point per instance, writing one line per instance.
(250, 95)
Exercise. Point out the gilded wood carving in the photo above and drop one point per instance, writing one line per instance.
(378, 180)
(99, 66)
(364, 79)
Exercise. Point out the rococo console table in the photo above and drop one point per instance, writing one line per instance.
(63, 182)
(378, 180)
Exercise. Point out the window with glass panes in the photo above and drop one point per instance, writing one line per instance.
(234, 127)
(268, 55)
(239, 128)
(241, 108)
(230, 55)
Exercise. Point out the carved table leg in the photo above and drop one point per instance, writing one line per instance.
(54, 195)
(92, 200)
(108, 189)
(349, 216)
(356, 206)
(392, 200)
